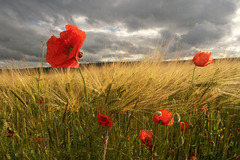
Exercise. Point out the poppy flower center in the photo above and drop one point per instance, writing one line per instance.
(160, 121)
(70, 49)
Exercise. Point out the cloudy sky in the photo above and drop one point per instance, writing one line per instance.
(121, 29)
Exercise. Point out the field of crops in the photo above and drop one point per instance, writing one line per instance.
(141, 110)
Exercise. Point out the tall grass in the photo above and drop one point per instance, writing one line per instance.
(68, 124)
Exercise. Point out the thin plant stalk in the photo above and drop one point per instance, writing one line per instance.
(84, 83)
(131, 116)
(43, 44)
(193, 75)
(40, 72)
(39, 78)
(105, 146)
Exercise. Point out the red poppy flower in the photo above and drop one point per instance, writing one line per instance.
(61, 51)
(145, 136)
(39, 140)
(183, 126)
(202, 59)
(238, 130)
(235, 116)
(203, 108)
(165, 118)
(205, 133)
(122, 111)
(104, 120)
(41, 101)
(10, 132)
(193, 158)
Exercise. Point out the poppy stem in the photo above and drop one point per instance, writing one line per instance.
(131, 115)
(84, 83)
(105, 146)
(39, 78)
(43, 44)
(193, 75)
(40, 71)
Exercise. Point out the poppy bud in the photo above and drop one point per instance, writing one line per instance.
(158, 113)
(176, 118)
(205, 133)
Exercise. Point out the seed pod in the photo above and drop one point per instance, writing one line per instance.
(158, 113)
(176, 118)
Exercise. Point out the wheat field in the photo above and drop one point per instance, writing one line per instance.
(130, 93)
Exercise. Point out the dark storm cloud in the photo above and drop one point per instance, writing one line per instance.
(206, 33)
(187, 24)
(177, 14)
(16, 37)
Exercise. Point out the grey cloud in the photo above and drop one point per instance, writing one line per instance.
(94, 43)
(181, 14)
(107, 45)
(205, 33)
(19, 38)
(7, 53)
(191, 24)
(135, 14)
